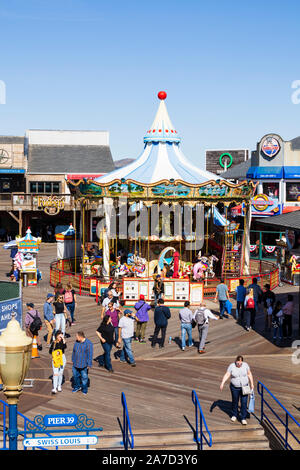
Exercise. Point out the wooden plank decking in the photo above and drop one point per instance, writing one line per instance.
(158, 390)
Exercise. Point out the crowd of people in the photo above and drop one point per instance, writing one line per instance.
(120, 327)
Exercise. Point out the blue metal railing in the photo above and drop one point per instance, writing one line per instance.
(25, 432)
(199, 422)
(286, 422)
(128, 439)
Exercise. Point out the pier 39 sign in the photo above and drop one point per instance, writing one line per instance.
(68, 425)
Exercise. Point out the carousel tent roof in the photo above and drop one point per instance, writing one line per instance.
(162, 157)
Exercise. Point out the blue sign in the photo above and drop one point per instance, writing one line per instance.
(7, 308)
(60, 420)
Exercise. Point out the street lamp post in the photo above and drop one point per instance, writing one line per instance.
(15, 355)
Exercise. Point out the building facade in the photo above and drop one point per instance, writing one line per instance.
(33, 174)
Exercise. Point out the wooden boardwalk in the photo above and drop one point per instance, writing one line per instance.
(158, 390)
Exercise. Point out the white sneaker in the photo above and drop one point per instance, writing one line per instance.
(182, 349)
(53, 391)
(233, 418)
(244, 421)
(59, 388)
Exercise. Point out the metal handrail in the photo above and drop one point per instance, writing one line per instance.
(199, 433)
(128, 438)
(285, 422)
(22, 432)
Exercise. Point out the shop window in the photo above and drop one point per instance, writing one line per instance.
(271, 189)
(47, 187)
(292, 192)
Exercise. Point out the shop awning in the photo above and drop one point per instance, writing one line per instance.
(263, 172)
(291, 172)
(12, 170)
(251, 172)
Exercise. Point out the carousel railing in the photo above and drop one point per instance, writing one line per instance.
(64, 271)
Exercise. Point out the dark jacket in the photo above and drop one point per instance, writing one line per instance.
(161, 315)
(268, 295)
(159, 287)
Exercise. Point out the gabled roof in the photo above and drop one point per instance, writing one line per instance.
(237, 172)
(63, 159)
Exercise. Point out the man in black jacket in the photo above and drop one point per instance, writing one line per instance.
(161, 316)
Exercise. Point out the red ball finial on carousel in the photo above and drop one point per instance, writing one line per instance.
(162, 95)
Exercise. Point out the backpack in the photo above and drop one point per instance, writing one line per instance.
(57, 358)
(68, 297)
(200, 317)
(250, 303)
(36, 324)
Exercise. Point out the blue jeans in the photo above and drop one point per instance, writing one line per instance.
(71, 308)
(80, 378)
(116, 334)
(186, 328)
(277, 331)
(236, 394)
(127, 351)
(222, 307)
(105, 358)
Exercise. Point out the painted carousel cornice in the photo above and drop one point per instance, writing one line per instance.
(162, 190)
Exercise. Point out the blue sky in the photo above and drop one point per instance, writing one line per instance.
(227, 67)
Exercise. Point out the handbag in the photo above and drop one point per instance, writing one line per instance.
(246, 390)
(251, 405)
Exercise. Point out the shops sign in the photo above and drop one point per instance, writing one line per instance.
(270, 147)
(51, 205)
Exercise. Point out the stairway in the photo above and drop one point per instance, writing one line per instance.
(250, 437)
(231, 259)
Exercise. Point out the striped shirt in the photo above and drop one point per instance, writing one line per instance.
(82, 354)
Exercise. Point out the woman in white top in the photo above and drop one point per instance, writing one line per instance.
(240, 374)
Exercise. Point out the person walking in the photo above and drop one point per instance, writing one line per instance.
(288, 310)
(105, 333)
(186, 318)
(240, 299)
(60, 313)
(57, 350)
(222, 295)
(201, 317)
(161, 317)
(158, 289)
(126, 332)
(49, 317)
(33, 324)
(82, 357)
(115, 315)
(241, 384)
(249, 306)
(106, 300)
(277, 321)
(268, 298)
(70, 301)
(142, 308)
(257, 293)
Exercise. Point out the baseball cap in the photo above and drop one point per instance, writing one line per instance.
(127, 311)
(30, 305)
(158, 276)
(142, 297)
(50, 295)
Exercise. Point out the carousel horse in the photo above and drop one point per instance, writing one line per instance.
(210, 270)
(162, 260)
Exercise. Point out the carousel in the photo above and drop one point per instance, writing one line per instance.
(163, 215)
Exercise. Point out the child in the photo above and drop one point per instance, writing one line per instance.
(277, 321)
(57, 350)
